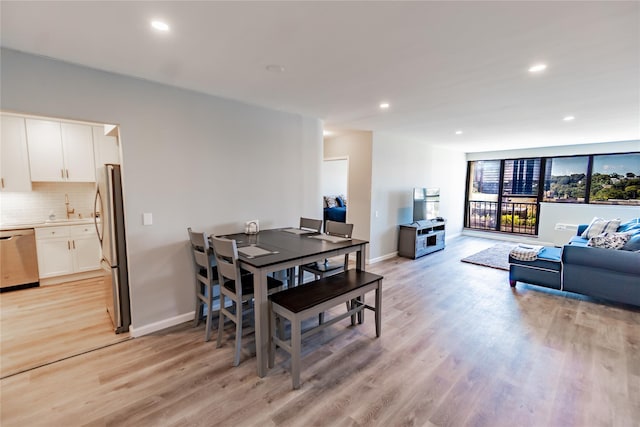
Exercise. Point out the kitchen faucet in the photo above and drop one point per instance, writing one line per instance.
(69, 211)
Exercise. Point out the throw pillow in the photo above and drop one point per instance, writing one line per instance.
(344, 199)
(339, 202)
(633, 224)
(609, 240)
(330, 201)
(599, 226)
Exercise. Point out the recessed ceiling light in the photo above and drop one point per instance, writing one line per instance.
(160, 26)
(384, 105)
(458, 132)
(537, 68)
(568, 118)
(275, 68)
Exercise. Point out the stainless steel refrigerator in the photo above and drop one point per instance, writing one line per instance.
(109, 221)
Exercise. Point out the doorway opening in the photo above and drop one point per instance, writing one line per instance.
(335, 192)
(66, 314)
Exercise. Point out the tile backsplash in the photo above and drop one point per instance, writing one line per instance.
(47, 198)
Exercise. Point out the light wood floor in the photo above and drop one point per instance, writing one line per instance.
(49, 323)
(458, 347)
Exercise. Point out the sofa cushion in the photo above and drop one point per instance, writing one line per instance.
(633, 244)
(609, 240)
(578, 241)
(599, 226)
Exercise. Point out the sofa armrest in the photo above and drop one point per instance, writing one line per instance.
(581, 229)
(607, 259)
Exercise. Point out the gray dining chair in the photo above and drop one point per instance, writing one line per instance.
(236, 287)
(206, 280)
(329, 266)
(307, 224)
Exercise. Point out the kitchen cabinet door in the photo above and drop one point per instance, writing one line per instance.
(54, 257)
(86, 248)
(14, 157)
(44, 139)
(77, 148)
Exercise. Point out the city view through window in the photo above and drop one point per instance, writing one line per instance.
(504, 195)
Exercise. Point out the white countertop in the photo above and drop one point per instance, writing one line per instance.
(55, 223)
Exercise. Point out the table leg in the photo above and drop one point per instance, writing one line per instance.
(360, 266)
(261, 311)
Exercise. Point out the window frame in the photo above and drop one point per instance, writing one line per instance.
(541, 184)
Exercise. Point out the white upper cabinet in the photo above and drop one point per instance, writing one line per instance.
(14, 157)
(44, 139)
(77, 147)
(106, 148)
(60, 152)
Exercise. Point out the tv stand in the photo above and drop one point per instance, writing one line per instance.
(421, 238)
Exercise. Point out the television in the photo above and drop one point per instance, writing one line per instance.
(426, 203)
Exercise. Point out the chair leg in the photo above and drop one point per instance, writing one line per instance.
(220, 321)
(236, 360)
(300, 276)
(207, 334)
(199, 306)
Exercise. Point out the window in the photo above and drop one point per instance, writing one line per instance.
(565, 179)
(615, 179)
(519, 208)
(483, 185)
(504, 195)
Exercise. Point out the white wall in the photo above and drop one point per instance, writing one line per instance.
(356, 145)
(188, 158)
(569, 213)
(399, 165)
(335, 177)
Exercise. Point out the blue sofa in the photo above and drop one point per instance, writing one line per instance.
(611, 274)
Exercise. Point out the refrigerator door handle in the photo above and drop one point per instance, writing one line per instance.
(97, 213)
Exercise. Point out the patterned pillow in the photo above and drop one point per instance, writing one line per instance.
(600, 226)
(330, 201)
(609, 240)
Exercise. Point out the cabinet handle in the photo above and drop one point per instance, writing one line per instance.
(67, 172)
(61, 173)
(74, 244)
(2, 179)
(68, 245)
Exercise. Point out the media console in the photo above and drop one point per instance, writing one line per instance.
(421, 238)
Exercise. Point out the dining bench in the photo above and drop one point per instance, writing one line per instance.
(308, 300)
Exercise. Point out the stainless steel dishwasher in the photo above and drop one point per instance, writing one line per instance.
(18, 257)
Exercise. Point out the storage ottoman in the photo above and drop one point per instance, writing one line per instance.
(546, 270)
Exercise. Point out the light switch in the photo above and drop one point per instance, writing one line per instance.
(147, 219)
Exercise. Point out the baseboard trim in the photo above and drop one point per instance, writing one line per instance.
(516, 238)
(47, 281)
(160, 325)
(383, 257)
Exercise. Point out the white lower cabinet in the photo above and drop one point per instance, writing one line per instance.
(67, 250)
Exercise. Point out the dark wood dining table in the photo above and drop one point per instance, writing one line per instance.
(286, 250)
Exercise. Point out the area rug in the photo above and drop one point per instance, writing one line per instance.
(496, 256)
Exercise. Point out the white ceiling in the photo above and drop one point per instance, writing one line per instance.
(443, 66)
